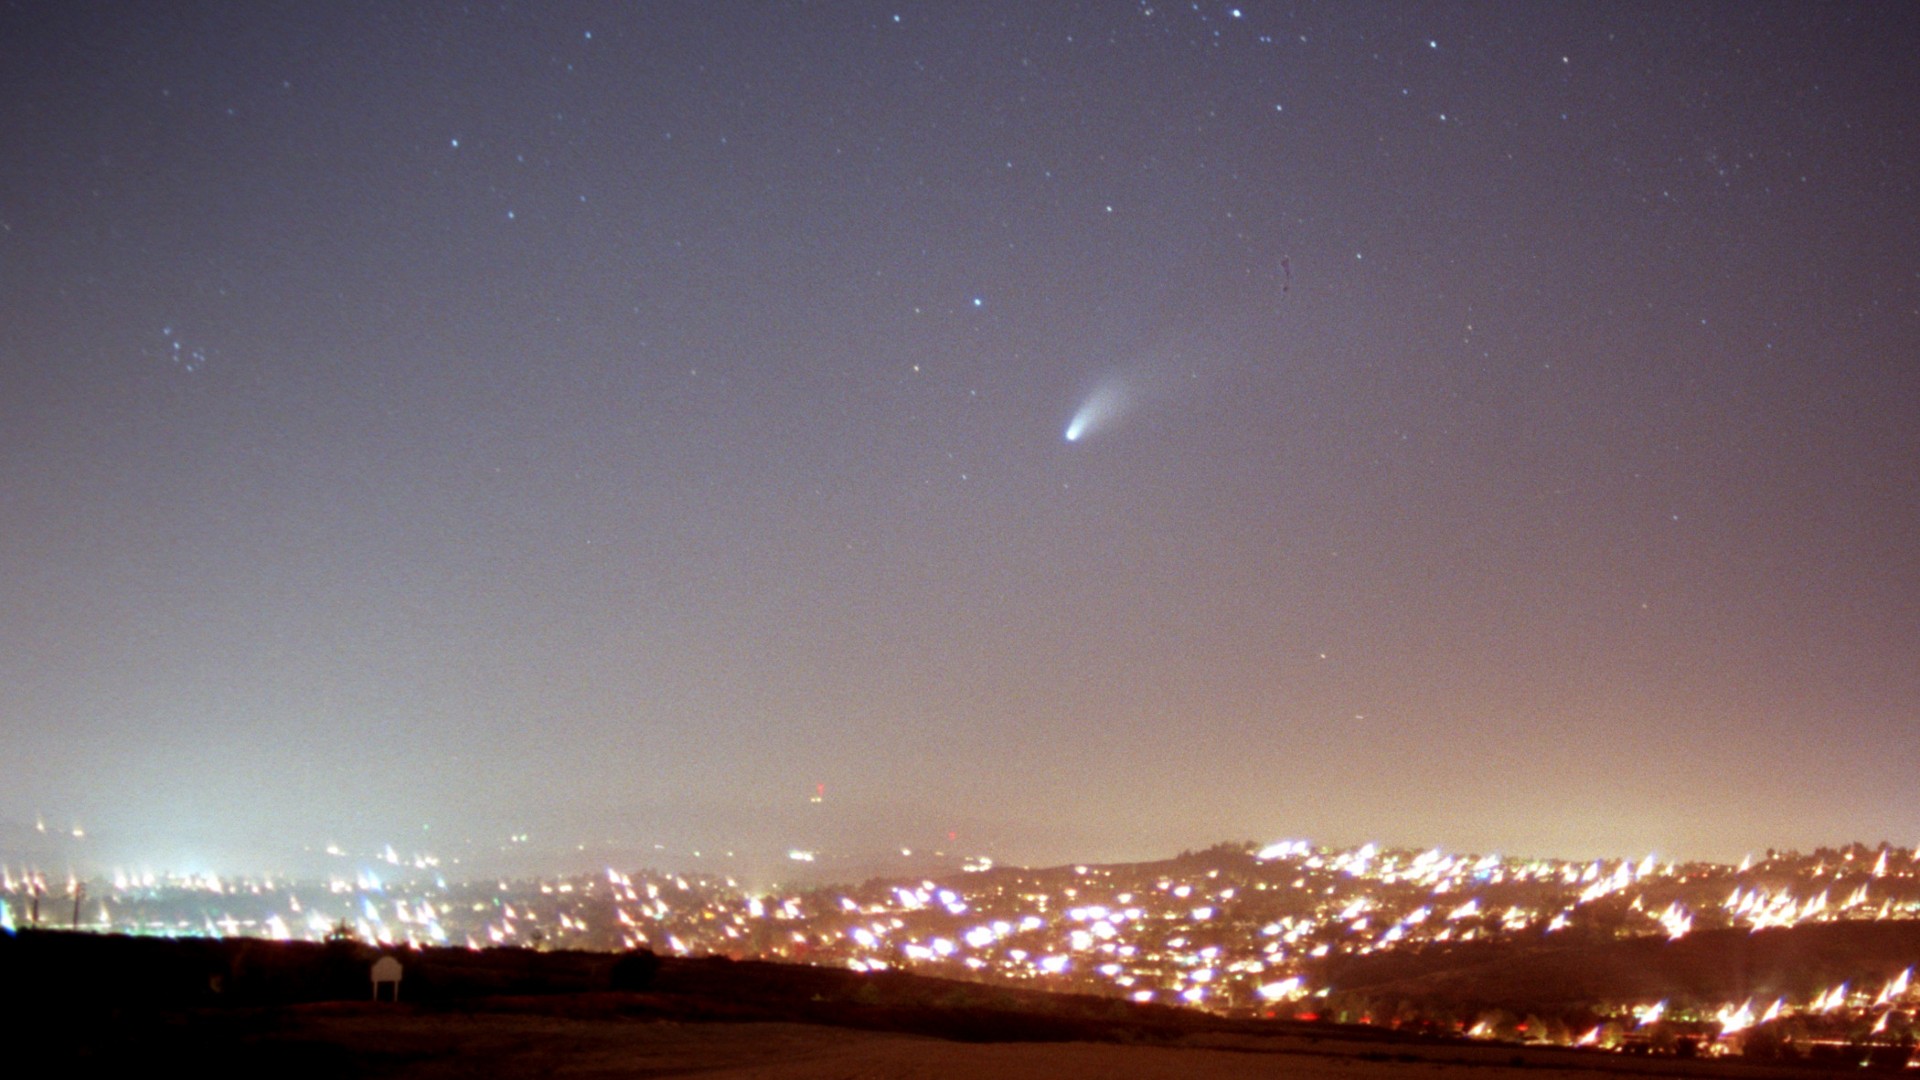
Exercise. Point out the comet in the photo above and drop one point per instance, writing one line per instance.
(1108, 402)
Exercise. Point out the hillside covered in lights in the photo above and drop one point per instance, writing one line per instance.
(1791, 949)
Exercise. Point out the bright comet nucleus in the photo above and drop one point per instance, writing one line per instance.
(1107, 401)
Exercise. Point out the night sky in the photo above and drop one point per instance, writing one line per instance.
(1494, 427)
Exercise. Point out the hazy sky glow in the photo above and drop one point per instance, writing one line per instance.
(609, 422)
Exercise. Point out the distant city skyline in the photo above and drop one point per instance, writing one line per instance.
(1089, 430)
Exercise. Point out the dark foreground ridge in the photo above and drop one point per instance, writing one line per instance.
(248, 1007)
(62, 977)
(1554, 974)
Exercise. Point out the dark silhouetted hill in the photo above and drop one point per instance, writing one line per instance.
(1717, 966)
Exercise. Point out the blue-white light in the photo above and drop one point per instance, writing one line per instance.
(1108, 401)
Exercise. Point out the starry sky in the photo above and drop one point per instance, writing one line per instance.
(1494, 426)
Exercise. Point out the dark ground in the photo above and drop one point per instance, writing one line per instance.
(98, 1005)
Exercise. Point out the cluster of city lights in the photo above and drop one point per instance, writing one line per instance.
(1230, 929)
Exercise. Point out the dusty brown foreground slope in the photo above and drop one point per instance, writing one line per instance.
(615, 1035)
(101, 1006)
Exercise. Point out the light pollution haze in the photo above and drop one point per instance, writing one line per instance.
(608, 423)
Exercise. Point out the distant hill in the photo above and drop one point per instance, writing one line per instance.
(1710, 966)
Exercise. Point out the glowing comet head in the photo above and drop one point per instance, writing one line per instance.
(1107, 402)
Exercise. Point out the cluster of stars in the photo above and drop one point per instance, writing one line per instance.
(186, 355)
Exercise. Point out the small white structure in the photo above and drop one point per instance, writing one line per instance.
(386, 970)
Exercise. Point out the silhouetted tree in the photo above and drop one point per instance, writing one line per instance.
(635, 970)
